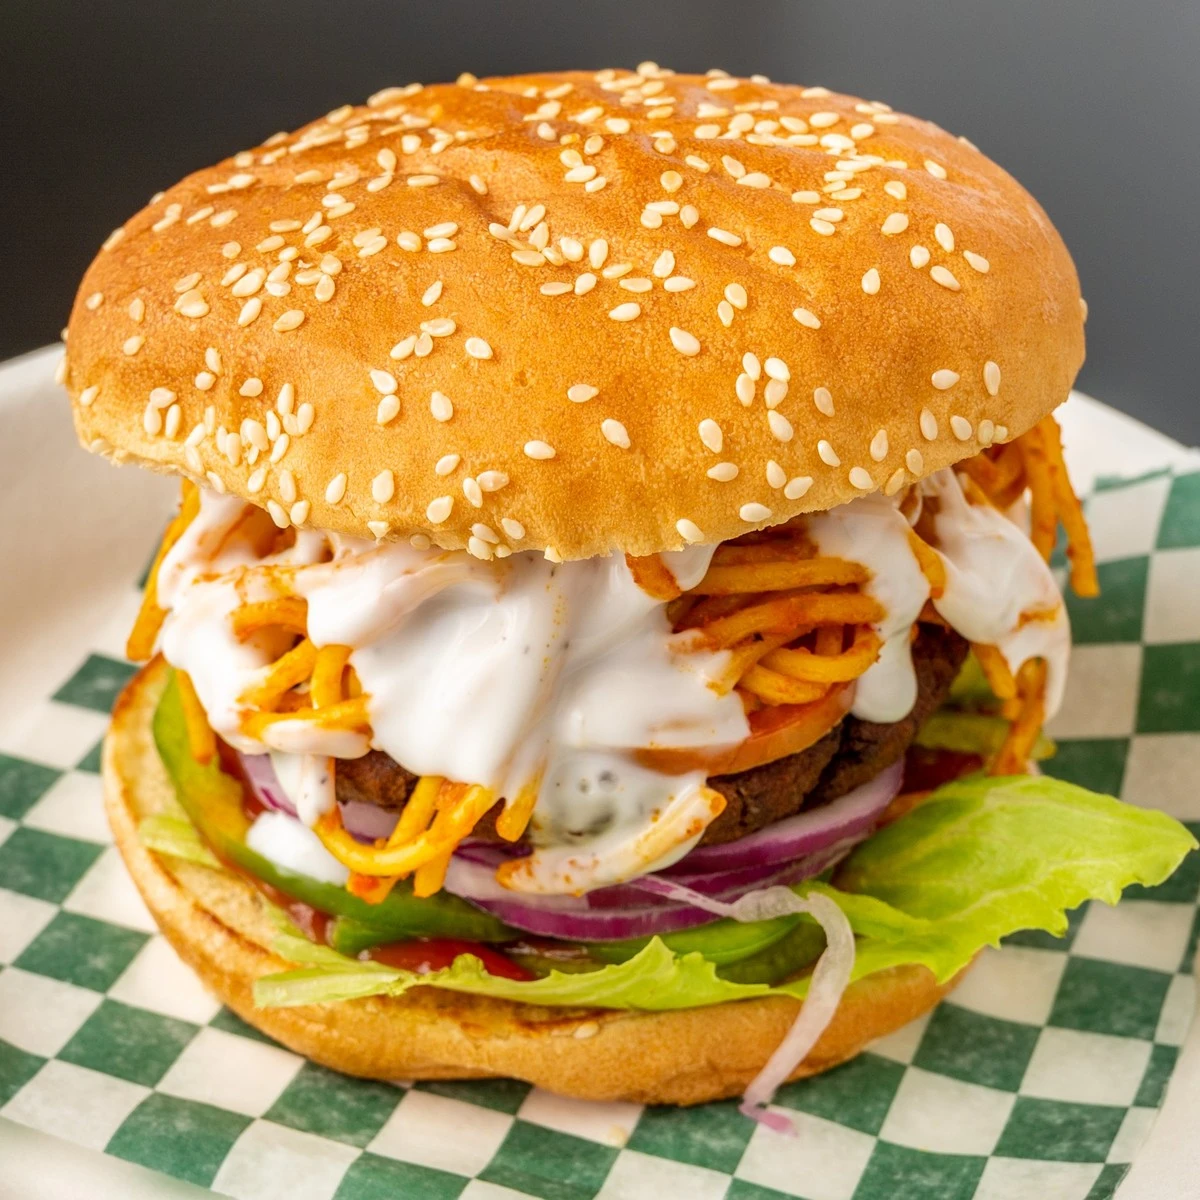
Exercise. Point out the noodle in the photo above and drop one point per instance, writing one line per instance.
(139, 646)
(1013, 756)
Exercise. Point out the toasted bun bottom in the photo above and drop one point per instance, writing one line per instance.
(218, 923)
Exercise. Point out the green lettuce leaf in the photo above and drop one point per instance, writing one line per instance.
(979, 859)
(174, 834)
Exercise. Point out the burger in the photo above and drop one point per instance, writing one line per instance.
(608, 624)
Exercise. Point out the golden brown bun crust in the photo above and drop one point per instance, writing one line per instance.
(876, 354)
(217, 922)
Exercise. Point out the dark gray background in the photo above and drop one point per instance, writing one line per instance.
(1092, 104)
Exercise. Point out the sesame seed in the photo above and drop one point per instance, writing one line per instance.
(711, 435)
(485, 533)
(335, 489)
(782, 256)
(961, 428)
(441, 245)
(977, 261)
(299, 512)
(663, 265)
(806, 318)
(940, 274)
(689, 214)
(161, 397)
(133, 344)
(407, 240)
(388, 409)
(572, 248)
(860, 478)
(870, 282)
(986, 431)
(423, 347)
(686, 343)
(678, 283)
(626, 312)
(439, 509)
(291, 319)
(277, 511)
(402, 349)
(806, 197)
(943, 236)
(777, 369)
(929, 425)
(689, 531)
(823, 399)
(513, 528)
(991, 377)
(441, 406)
(1002, 433)
(473, 492)
(935, 169)
(432, 292)
(137, 310)
(597, 253)
(918, 256)
(895, 223)
(446, 464)
(250, 311)
(797, 487)
(615, 432)
(744, 389)
(88, 395)
(539, 450)
(722, 472)
(254, 484)
(822, 120)
(724, 237)
(914, 461)
(671, 181)
(439, 327)
(754, 512)
(827, 454)
(636, 285)
(776, 475)
(829, 214)
(252, 387)
(379, 529)
(287, 486)
(423, 180)
(476, 347)
(584, 283)
(384, 381)
(895, 480)
(280, 448)
(736, 295)
(478, 184)
(944, 379)
(192, 304)
(879, 445)
(556, 288)
(823, 227)
(492, 481)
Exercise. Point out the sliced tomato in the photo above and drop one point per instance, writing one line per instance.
(775, 732)
(438, 953)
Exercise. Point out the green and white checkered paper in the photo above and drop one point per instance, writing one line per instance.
(1039, 1077)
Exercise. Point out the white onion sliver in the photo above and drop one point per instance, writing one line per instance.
(829, 981)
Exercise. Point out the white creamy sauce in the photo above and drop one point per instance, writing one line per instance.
(504, 672)
(998, 589)
(292, 845)
(873, 531)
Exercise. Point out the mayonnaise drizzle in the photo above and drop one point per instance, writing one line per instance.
(502, 672)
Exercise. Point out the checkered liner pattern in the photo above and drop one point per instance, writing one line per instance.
(1039, 1077)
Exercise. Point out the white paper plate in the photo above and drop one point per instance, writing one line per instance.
(75, 531)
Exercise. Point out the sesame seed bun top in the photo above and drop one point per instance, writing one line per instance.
(577, 312)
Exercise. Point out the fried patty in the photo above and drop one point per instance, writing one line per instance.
(851, 753)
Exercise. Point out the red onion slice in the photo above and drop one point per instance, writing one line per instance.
(264, 783)
(853, 814)
(644, 909)
(829, 981)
